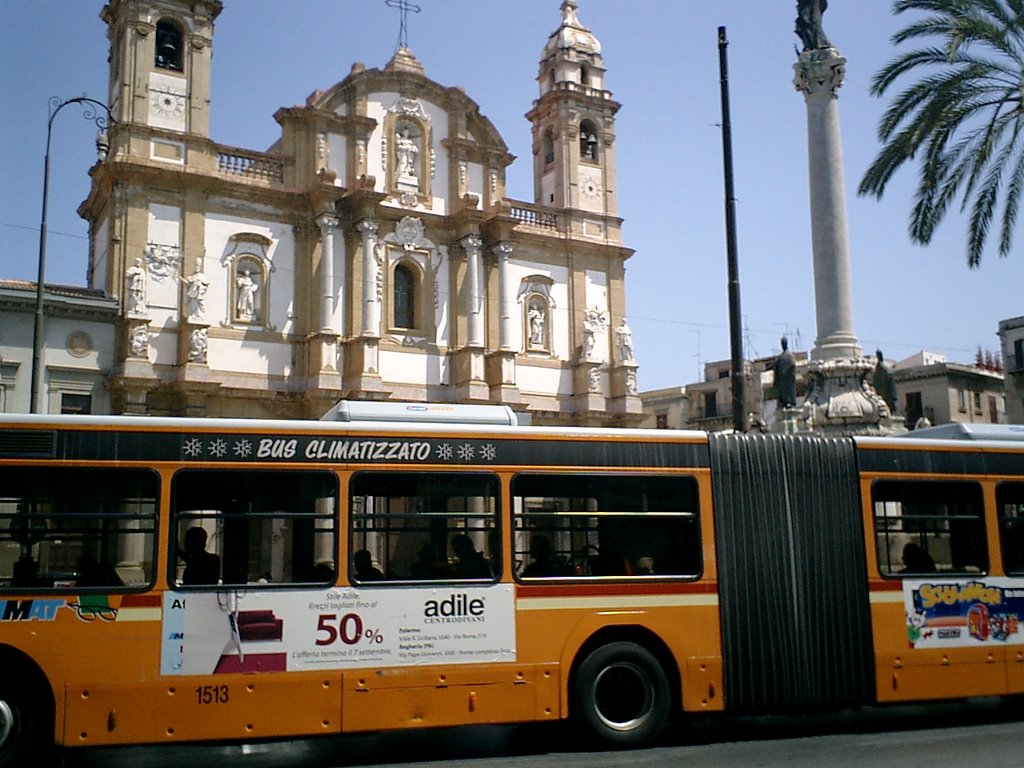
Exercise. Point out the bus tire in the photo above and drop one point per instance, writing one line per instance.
(622, 695)
(26, 724)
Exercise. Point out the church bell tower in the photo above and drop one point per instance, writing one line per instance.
(160, 53)
(573, 122)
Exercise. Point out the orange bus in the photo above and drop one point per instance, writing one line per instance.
(406, 566)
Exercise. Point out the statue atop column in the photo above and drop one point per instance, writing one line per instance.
(808, 24)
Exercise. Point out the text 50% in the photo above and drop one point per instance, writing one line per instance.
(349, 629)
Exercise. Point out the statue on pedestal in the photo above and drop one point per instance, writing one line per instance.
(785, 376)
(884, 382)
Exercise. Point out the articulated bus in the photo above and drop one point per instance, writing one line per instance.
(184, 580)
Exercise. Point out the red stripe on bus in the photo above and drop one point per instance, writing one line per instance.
(141, 601)
(604, 590)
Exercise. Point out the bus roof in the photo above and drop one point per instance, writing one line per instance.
(969, 432)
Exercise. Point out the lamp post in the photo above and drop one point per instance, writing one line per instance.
(102, 120)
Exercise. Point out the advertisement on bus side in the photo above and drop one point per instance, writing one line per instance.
(341, 628)
(945, 613)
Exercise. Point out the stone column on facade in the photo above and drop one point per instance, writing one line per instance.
(327, 224)
(372, 288)
(361, 363)
(468, 372)
(501, 364)
(473, 246)
(323, 383)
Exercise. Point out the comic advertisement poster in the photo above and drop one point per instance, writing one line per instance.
(947, 613)
(342, 628)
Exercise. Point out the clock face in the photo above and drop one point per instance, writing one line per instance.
(591, 188)
(168, 103)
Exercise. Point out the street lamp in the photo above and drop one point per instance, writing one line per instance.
(102, 120)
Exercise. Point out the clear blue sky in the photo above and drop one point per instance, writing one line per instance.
(662, 65)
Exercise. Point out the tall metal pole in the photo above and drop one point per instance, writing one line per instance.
(739, 416)
(102, 121)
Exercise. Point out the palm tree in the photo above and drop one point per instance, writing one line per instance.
(963, 119)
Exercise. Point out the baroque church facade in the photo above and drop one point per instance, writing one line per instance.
(371, 252)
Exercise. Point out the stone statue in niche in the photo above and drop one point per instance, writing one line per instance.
(136, 277)
(406, 151)
(536, 319)
(246, 302)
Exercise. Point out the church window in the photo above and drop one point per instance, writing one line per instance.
(169, 48)
(588, 141)
(584, 75)
(248, 291)
(404, 295)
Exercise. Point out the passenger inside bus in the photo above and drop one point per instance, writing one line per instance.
(916, 560)
(26, 572)
(470, 564)
(543, 563)
(362, 560)
(201, 567)
(96, 573)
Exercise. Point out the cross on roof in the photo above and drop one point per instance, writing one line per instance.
(403, 6)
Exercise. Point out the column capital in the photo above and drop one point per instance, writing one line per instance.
(502, 250)
(368, 226)
(472, 244)
(821, 70)
(326, 222)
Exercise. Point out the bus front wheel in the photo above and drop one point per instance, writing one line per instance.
(24, 722)
(622, 695)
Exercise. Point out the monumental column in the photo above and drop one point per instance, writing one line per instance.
(840, 399)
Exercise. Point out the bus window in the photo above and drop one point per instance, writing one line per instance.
(420, 526)
(573, 525)
(66, 528)
(251, 527)
(924, 527)
(1010, 502)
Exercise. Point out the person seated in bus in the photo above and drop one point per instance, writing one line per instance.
(543, 563)
(94, 573)
(469, 564)
(430, 564)
(916, 560)
(201, 567)
(362, 560)
(26, 572)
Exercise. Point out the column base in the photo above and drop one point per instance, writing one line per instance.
(841, 401)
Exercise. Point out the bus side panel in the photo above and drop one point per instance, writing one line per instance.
(192, 709)
(387, 699)
(792, 579)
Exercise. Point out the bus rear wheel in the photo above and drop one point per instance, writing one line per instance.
(622, 695)
(24, 721)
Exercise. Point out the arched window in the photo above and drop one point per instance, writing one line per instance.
(248, 291)
(169, 47)
(584, 75)
(588, 141)
(549, 147)
(404, 307)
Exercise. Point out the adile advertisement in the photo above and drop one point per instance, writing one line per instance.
(946, 613)
(342, 628)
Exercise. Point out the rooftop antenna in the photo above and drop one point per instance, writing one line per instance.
(403, 6)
